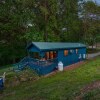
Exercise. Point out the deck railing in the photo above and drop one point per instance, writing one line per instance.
(42, 63)
(41, 67)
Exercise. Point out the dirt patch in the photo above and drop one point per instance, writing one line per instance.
(91, 86)
(88, 88)
(74, 66)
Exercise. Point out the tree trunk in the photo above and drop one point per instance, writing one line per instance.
(14, 60)
(96, 44)
(45, 30)
(45, 36)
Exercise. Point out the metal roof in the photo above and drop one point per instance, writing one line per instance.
(55, 45)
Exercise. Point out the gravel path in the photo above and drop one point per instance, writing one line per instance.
(90, 56)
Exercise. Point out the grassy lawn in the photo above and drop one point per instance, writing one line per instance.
(66, 85)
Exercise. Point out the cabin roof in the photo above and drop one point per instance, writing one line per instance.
(55, 45)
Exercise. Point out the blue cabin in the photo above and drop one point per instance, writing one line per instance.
(44, 56)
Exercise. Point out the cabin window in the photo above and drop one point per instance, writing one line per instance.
(47, 55)
(55, 54)
(84, 56)
(51, 55)
(76, 51)
(80, 56)
(65, 52)
(71, 51)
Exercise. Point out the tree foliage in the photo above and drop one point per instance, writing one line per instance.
(91, 22)
(23, 21)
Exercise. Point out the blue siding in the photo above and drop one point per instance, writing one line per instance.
(71, 58)
(82, 51)
(33, 49)
(47, 69)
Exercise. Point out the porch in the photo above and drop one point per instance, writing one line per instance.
(43, 62)
(43, 67)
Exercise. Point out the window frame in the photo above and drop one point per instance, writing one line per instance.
(66, 52)
(76, 50)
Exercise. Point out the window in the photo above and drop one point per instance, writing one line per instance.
(84, 56)
(55, 54)
(71, 51)
(47, 55)
(51, 54)
(76, 51)
(65, 52)
(80, 56)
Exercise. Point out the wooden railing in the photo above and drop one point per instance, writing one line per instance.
(42, 63)
(41, 67)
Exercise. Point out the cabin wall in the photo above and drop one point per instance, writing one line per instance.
(33, 49)
(82, 50)
(71, 58)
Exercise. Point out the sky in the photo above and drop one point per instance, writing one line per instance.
(98, 1)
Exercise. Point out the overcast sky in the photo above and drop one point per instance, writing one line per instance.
(98, 1)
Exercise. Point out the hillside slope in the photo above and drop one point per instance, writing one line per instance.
(82, 83)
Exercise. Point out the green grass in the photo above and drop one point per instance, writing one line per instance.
(64, 85)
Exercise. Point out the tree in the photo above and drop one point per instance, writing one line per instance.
(23, 21)
(90, 21)
(13, 21)
(52, 16)
(68, 20)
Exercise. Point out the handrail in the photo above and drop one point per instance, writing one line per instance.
(22, 62)
(44, 60)
(35, 62)
(42, 63)
(25, 58)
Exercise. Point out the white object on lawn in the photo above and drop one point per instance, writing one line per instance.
(60, 66)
